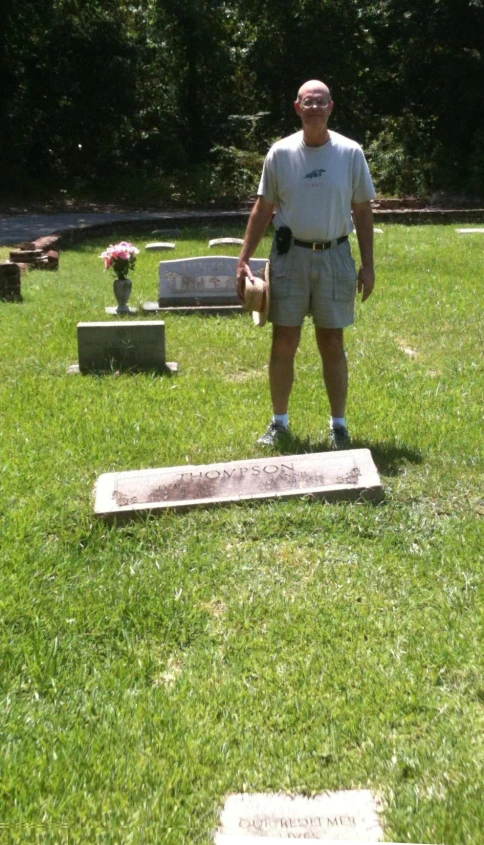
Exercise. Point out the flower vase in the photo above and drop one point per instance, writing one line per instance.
(122, 292)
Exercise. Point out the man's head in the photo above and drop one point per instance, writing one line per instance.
(314, 104)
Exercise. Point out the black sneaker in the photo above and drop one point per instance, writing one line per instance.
(276, 433)
(339, 438)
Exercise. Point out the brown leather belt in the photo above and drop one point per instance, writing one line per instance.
(320, 245)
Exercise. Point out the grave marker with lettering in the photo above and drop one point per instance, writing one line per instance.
(203, 284)
(335, 816)
(136, 345)
(330, 475)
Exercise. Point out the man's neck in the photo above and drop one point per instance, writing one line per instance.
(316, 138)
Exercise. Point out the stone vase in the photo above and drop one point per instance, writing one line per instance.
(122, 292)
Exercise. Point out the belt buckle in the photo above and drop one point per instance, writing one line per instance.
(317, 247)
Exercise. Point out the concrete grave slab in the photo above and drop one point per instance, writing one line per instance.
(201, 282)
(470, 231)
(158, 245)
(330, 475)
(221, 241)
(136, 345)
(349, 815)
(240, 839)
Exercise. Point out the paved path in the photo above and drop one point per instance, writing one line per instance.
(15, 228)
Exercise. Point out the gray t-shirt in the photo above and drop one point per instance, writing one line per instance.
(313, 187)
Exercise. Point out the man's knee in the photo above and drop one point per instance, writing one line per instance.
(285, 340)
(330, 342)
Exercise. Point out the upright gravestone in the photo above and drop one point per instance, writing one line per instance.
(204, 284)
(330, 475)
(121, 346)
(10, 282)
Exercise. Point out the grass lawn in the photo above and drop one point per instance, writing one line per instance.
(149, 670)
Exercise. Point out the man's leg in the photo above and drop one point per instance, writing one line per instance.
(285, 341)
(335, 368)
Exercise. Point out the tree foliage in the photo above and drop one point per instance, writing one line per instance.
(100, 93)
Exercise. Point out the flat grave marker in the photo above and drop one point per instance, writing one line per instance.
(335, 816)
(203, 284)
(470, 231)
(222, 241)
(155, 246)
(131, 345)
(349, 474)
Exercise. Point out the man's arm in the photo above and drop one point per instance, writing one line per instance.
(363, 220)
(259, 220)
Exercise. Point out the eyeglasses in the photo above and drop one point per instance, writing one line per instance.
(309, 102)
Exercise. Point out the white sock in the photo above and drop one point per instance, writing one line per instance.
(282, 419)
(336, 422)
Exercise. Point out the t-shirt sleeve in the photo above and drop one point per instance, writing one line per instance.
(363, 189)
(268, 182)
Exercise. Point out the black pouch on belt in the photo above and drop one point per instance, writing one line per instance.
(283, 239)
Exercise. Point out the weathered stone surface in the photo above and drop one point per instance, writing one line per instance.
(47, 242)
(25, 254)
(128, 345)
(335, 816)
(202, 281)
(157, 245)
(10, 282)
(329, 475)
(221, 241)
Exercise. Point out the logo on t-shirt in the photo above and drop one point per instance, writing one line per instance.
(314, 174)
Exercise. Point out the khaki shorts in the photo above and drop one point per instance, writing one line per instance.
(317, 282)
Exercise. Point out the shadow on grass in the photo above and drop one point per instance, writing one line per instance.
(389, 459)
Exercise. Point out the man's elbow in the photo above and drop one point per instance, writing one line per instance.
(362, 208)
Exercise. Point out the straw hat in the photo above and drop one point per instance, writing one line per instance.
(257, 297)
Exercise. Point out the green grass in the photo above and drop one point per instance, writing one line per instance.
(149, 670)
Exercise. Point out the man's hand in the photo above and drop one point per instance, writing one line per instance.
(366, 282)
(243, 272)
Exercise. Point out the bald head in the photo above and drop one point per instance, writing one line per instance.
(313, 85)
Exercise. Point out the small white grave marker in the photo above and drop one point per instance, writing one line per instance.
(350, 815)
(156, 246)
(221, 241)
(470, 231)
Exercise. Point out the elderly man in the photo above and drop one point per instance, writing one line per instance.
(314, 180)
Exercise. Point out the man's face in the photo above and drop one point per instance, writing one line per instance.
(314, 105)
